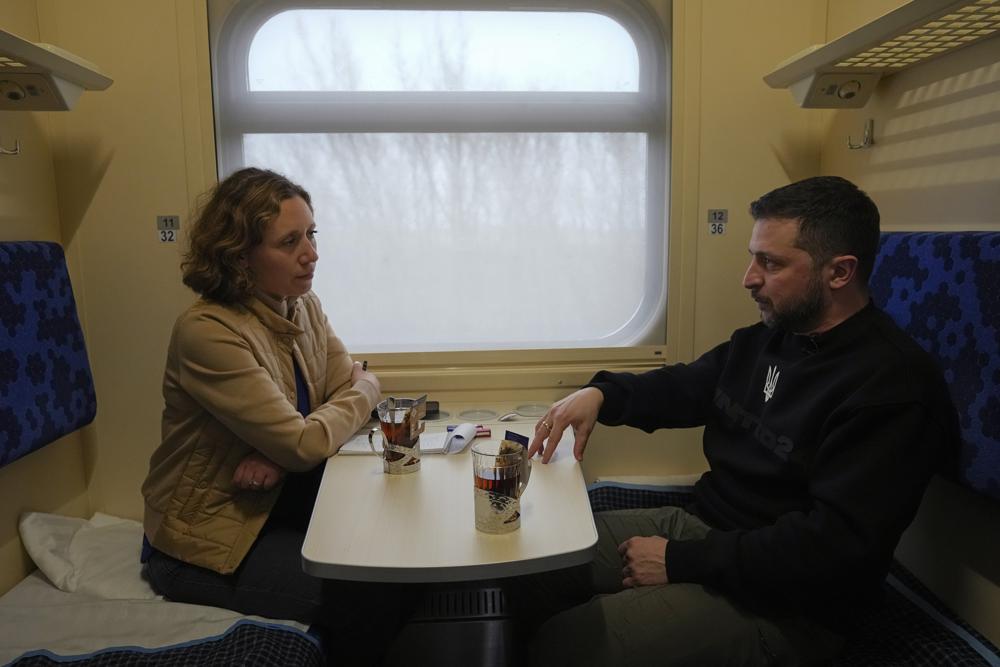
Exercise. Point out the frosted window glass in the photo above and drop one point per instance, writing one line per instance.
(474, 240)
(394, 50)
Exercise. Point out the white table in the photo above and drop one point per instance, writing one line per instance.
(370, 526)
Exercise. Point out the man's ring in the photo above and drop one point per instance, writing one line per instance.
(548, 426)
(254, 483)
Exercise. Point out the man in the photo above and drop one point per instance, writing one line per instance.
(823, 425)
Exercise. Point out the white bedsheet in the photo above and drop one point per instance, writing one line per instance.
(36, 614)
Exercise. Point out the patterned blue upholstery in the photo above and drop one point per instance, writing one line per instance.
(46, 389)
(943, 288)
(245, 643)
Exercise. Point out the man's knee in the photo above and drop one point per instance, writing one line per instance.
(577, 636)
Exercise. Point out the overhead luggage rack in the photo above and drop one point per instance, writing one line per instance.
(42, 77)
(843, 73)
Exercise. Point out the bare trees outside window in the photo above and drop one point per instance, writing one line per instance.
(482, 179)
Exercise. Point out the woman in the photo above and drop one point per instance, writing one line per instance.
(256, 384)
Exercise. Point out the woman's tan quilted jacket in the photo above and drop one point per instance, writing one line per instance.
(229, 388)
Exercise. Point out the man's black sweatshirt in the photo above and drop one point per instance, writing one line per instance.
(819, 448)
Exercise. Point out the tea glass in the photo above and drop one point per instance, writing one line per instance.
(500, 472)
(399, 428)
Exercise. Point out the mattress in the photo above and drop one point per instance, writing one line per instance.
(88, 604)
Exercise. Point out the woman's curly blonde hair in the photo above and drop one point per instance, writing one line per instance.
(229, 223)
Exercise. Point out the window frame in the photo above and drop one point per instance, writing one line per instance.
(239, 111)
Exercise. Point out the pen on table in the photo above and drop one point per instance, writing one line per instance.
(481, 431)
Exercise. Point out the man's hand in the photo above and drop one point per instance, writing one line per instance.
(643, 561)
(578, 410)
(256, 472)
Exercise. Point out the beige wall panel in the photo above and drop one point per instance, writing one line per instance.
(122, 158)
(28, 207)
(52, 478)
(935, 165)
(752, 139)
(936, 159)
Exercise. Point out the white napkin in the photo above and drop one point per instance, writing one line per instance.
(457, 440)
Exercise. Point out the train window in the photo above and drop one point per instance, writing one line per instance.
(483, 178)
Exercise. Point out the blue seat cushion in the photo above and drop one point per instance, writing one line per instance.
(46, 387)
(943, 288)
(912, 628)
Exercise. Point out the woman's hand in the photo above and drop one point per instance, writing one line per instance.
(256, 472)
(358, 374)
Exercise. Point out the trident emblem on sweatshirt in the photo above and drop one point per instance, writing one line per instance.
(771, 382)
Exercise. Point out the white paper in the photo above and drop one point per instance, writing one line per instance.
(358, 444)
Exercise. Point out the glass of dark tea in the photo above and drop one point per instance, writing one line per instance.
(400, 426)
(500, 471)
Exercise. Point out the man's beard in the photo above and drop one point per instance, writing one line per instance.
(802, 316)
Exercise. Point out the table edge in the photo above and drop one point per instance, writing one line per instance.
(450, 573)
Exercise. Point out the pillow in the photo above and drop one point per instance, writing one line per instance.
(99, 557)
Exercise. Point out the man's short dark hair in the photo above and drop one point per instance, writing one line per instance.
(835, 218)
